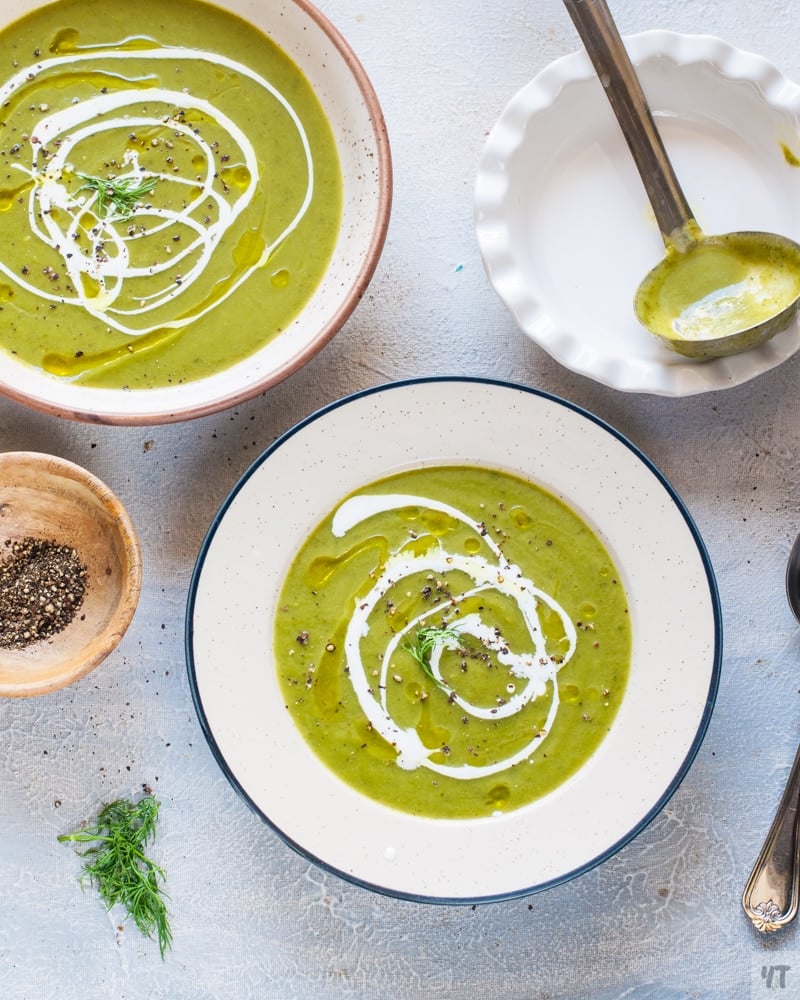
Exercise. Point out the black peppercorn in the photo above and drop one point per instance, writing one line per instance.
(42, 586)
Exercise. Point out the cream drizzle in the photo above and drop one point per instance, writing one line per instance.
(107, 264)
(535, 668)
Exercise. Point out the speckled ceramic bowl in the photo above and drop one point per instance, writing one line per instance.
(353, 111)
(55, 501)
(674, 613)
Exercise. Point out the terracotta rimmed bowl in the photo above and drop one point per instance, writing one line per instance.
(45, 497)
(354, 114)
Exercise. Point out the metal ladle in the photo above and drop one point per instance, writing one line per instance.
(772, 893)
(706, 274)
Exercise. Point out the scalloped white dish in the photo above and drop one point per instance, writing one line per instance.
(675, 620)
(564, 226)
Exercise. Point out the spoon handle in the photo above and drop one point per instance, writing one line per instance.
(770, 897)
(604, 46)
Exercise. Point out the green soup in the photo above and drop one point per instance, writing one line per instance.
(453, 641)
(170, 191)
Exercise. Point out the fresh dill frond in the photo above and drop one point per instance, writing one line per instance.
(425, 640)
(116, 864)
(123, 193)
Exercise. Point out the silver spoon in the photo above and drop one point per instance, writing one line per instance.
(711, 295)
(771, 896)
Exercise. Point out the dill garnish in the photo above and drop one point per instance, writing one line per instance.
(426, 640)
(123, 194)
(117, 866)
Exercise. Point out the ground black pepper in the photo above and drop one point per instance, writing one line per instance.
(42, 586)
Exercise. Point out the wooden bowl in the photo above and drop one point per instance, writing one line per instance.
(49, 498)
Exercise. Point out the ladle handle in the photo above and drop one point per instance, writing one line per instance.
(770, 897)
(604, 46)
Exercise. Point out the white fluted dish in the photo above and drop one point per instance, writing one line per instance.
(351, 106)
(564, 226)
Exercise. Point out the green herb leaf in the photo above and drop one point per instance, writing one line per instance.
(118, 867)
(425, 641)
(123, 194)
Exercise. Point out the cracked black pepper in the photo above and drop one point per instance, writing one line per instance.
(42, 587)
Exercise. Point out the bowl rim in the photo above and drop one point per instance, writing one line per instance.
(104, 643)
(106, 413)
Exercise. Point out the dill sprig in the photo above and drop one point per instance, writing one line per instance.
(117, 866)
(425, 640)
(123, 193)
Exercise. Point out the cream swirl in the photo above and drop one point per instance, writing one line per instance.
(130, 269)
(534, 667)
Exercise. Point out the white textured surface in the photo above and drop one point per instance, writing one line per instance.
(662, 919)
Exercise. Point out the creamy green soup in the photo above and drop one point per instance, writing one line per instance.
(170, 191)
(453, 641)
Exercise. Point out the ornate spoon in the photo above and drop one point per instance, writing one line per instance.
(772, 892)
